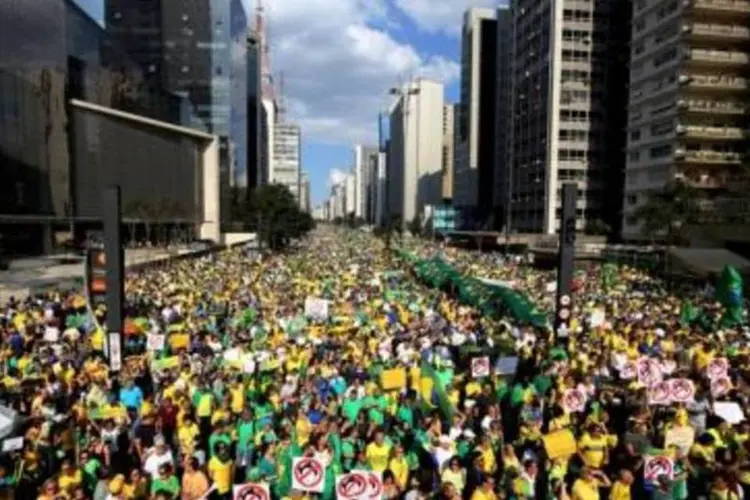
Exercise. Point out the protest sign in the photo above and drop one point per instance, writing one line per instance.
(480, 367)
(559, 444)
(682, 437)
(308, 474)
(316, 309)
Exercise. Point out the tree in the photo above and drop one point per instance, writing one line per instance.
(277, 216)
(665, 211)
(415, 226)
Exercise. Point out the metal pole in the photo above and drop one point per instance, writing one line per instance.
(115, 276)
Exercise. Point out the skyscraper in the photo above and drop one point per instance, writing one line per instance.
(449, 159)
(569, 82)
(414, 164)
(473, 181)
(286, 157)
(197, 49)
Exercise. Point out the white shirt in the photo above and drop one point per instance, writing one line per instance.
(154, 461)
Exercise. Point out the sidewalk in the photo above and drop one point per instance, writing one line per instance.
(25, 276)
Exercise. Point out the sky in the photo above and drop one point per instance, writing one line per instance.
(340, 58)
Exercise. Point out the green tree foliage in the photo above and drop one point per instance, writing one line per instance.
(667, 210)
(277, 217)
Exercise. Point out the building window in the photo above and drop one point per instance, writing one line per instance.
(660, 151)
(635, 135)
(662, 128)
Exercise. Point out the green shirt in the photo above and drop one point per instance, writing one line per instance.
(170, 485)
(216, 438)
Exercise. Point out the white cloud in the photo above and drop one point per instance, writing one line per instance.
(339, 62)
(335, 177)
(443, 16)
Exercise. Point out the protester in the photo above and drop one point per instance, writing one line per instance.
(369, 359)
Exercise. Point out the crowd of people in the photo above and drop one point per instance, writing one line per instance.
(235, 365)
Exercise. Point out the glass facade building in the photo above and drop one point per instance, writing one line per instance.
(51, 52)
(197, 49)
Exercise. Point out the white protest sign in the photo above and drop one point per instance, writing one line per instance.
(51, 334)
(659, 394)
(682, 437)
(12, 444)
(718, 367)
(574, 400)
(308, 474)
(682, 390)
(251, 491)
(316, 308)
(729, 411)
(720, 386)
(648, 371)
(352, 486)
(480, 367)
(655, 467)
(155, 342)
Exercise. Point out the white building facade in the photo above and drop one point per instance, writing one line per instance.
(414, 177)
(287, 157)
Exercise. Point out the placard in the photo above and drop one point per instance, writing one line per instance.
(506, 365)
(352, 486)
(659, 394)
(316, 308)
(655, 467)
(155, 341)
(480, 367)
(574, 400)
(12, 444)
(559, 444)
(717, 367)
(682, 390)
(394, 379)
(308, 474)
(720, 386)
(648, 371)
(251, 491)
(682, 437)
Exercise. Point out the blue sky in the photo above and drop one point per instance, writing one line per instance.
(340, 57)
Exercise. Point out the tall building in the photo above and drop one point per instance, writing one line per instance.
(414, 164)
(378, 186)
(338, 201)
(473, 181)
(365, 164)
(304, 192)
(503, 116)
(78, 113)
(350, 194)
(569, 84)
(254, 115)
(287, 157)
(448, 162)
(688, 105)
(197, 49)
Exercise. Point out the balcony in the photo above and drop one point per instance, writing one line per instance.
(718, 32)
(708, 157)
(712, 107)
(716, 133)
(717, 58)
(727, 8)
(715, 82)
(704, 181)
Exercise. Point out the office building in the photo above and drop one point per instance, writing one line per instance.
(378, 186)
(414, 163)
(569, 84)
(78, 113)
(197, 49)
(350, 194)
(286, 157)
(475, 155)
(268, 119)
(503, 117)
(254, 116)
(304, 192)
(338, 201)
(365, 175)
(448, 164)
(687, 114)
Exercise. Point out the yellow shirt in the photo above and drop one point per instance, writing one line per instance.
(187, 435)
(304, 429)
(489, 463)
(238, 399)
(585, 490)
(400, 469)
(70, 481)
(481, 494)
(221, 474)
(377, 456)
(592, 450)
(205, 405)
(620, 491)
